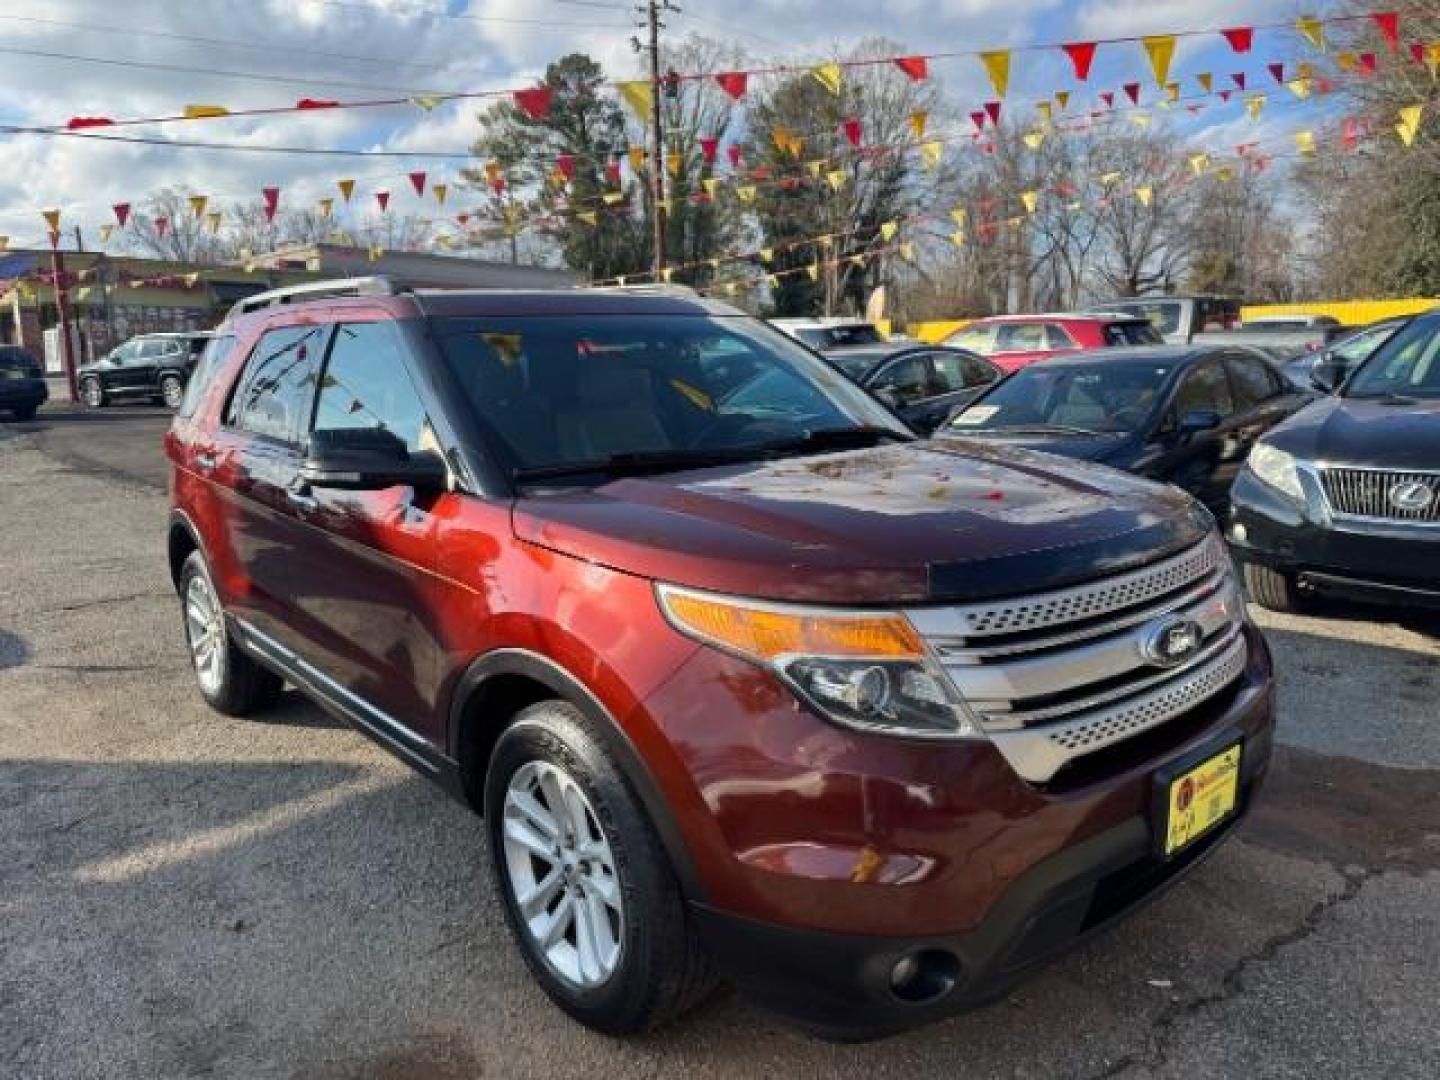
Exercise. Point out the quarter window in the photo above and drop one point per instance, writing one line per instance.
(279, 384)
(366, 385)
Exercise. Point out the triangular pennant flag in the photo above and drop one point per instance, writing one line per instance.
(767, 255)
(1107, 97)
(426, 101)
(914, 66)
(417, 181)
(1030, 199)
(888, 229)
(733, 153)
(1241, 38)
(439, 191)
(534, 102)
(1161, 50)
(1239, 80)
(829, 75)
(1389, 24)
(958, 238)
(327, 206)
(1347, 61)
(907, 251)
(773, 280)
(212, 219)
(1407, 134)
(1145, 194)
(52, 220)
(105, 231)
(814, 167)
(733, 83)
(711, 185)
(1206, 81)
(347, 188)
(197, 205)
(637, 94)
(852, 128)
(1277, 71)
(1082, 55)
(997, 66)
(1062, 98)
(1046, 111)
(918, 119)
(1172, 93)
(1132, 91)
(959, 215)
(1305, 142)
(930, 153)
(383, 198)
(1313, 31)
(1367, 63)
(673, 161)
(978, 119)
(1432, 60)
(162, 226)
(1198, 163)
(1109, 178)
(1299, 87)
(637, 158)
(1255, 105)
(836, 178)
(992, 110)
(589, 217)
(746, 193)
(122, 212)
(205, 112)
(813, 270)
(565, 165)
(1034, 139)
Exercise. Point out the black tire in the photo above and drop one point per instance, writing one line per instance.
(22, 415)
(243, 686)
(92, 392)
(1272, 589)
(662, 971)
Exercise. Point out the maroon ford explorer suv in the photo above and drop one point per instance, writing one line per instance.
(745, 679)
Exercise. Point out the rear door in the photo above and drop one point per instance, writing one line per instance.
(1202, 462)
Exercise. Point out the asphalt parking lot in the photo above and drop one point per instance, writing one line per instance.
(186, 895)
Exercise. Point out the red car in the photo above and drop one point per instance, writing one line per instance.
(744, 683)
(1013, 341)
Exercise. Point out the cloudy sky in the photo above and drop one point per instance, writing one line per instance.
(64, 58)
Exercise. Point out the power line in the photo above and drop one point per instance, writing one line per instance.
(435, 13)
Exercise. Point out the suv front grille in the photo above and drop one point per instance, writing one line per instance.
(1056, 676)
(1367, 493)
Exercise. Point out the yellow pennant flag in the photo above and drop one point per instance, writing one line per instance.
(1199, 163)
(746, 193)
(1140, 119)
(767, 255)
(711, 185)
(347, 188)
(1347, 61)
(1313, 30)
(1034, 139)
(813, 270)
(205, 112)
(1226, 172)
(197, 205)
(1305, 142)
(888, 229)
(930, 153)
(611, 198)
(673, 162)
(440, 191)
(837, 178)
(52, 219)
(960, 216)
(1161, 50)
(1407, 134)
(327, 206)
(814, 168)
(1255, 105)
(637, 94)
(918, 119)
(773, 280)
(1432, 60)
(1031, 199)
(105, 231)
(1062, 98)
(1206, 81)
(667, 273)
(425, 101)
(1109, 178)
(857, 260)
(907, 251)
(637, 158)
(1299, 87)
(376, 253)
(213, 220)
(1145, 194)
(589, 217)
(1046, 111)
(830, 76)
(1409, 126)
(958, 238)
(997, 66)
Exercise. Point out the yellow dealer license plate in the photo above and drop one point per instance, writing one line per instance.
(1201, 798)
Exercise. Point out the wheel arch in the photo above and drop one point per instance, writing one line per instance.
(498, 685)
(181, 538)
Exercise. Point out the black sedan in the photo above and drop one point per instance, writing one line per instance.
(1344, 497)
(922, 384)
(1182, 414)
(22, 384)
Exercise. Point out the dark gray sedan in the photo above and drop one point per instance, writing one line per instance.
(922, 384)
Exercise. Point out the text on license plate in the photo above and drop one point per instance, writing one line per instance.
(1202, 798)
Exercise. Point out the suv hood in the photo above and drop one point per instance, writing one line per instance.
(896, 524)
(1364, 433)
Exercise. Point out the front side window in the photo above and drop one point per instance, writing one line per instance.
(566, 390)
(1408, 365)
(909, 379)
(276, 391)
(366, 385)
(1251, 379)
(1205, 390)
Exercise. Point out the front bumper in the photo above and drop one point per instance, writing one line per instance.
(1380, 561)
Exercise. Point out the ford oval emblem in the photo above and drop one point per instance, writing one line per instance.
(1171, 641)
(1412, 496)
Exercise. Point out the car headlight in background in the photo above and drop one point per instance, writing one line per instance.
(1278, 469)
(866, 670)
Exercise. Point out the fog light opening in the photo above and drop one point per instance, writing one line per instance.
(924, 976)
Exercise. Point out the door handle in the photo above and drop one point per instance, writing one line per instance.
(205, 460)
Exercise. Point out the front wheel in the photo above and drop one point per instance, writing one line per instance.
(1272, 589)
(172, 391)
(588, 890)
(93, 394)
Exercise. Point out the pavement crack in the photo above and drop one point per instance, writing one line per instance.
(1232, 983)
(85, 605)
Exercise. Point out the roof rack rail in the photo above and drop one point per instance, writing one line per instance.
(376, 285)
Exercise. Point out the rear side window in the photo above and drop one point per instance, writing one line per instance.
(275, 393)
(1058, 336)
(1020, 337)
(1205, 389)
(217, 351)
(366, 385)
(1133, 333)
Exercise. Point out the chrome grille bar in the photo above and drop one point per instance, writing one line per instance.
(1366, 493)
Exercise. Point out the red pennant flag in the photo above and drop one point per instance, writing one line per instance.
(992, 110)
(733, 152)
(1240, 38)
(383, 198)
(1239, 79)
(978, 119)
(271, 196)
(851, 126)
(162, 225)
(1226, 95)
(914, 66)
(733, 83)
(1368, 63)
(463, 219)
(1108, 97)
(612, 171)
(708, 146)
(1323, 85)
(1389, 24)
(1082, 55)
(77, 123)
(122, 212)
(316, 103)
(1348, 134)
(534, 102)
(417, 181)
(566, 164)
(1277, 71)
(1132, 91)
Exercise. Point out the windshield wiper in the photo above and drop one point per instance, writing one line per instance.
(638, 463)
(835, 438)
(1030, 429)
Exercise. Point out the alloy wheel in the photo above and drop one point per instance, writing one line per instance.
(94, 396)
(562, 875)
(206, 634)
(173, 392)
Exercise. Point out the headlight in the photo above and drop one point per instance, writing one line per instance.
(861, 669)
(1276, 468)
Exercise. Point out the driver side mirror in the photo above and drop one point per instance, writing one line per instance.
(368, 459)
(1197, 420)
(1327, 375)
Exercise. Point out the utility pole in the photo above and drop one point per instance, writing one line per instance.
(59, 287)
(652, 10)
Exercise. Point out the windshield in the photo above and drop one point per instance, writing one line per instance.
(1408, 365)
(1098, 398)
(569, 390)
